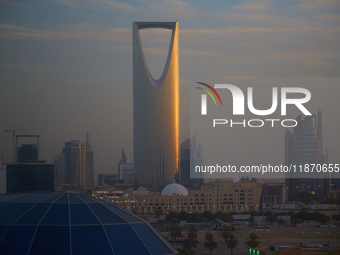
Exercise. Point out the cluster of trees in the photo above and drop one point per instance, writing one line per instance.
(272, 217)
(304, 215)
(206, 216)
(189, 245)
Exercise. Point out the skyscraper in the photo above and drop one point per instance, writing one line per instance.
(75, 165)
(304, 146)
(27, 152)
(191, 155)
(36, 176)
(156, 112)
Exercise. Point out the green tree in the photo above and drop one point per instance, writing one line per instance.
(225, 233)
(183, 216)
(281, 222)
(210, 244)
(189, 246)
(175, 232)
(172, 217)
(253, 241)
(192, 233)
(179, 232)
(271, 217)
(158, 212)
(232, 243)
(336, 217)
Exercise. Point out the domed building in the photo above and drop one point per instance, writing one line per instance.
(174, 188)
(70, 223)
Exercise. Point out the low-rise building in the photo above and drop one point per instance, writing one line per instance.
(237, 195)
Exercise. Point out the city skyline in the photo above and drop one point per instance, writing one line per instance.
(69, 69)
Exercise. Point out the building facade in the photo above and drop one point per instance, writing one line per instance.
(75, 165)
(27, 152)
(156, 112)
(30, 177)
(273, 193)
(191, 155)
(305, 146)
(225, 196)
(3, 186)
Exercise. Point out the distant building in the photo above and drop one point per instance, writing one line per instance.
(191, 155)
(225, 196)
(27, 152)
(103, 179)
(126, 170)
(156, 112)
(75, 165)
(35, 176)
(3, 188)
(59, 163)
(274, 193)
(304, 146)
(127, 173)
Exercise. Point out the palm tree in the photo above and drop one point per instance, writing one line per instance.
(225, 233)
(336, 217)
(188, 246)
(232, 242)
(210, 244)
(158, 212)
(253, 241)
(172, 232)
(192, 233)
(178, 232)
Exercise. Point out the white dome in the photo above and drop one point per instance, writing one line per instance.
(236, 179)
(174, 188)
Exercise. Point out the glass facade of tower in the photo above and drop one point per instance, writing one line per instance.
(156, 112)
(305, 146)
(308, 140)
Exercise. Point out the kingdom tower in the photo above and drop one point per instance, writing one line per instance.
(156, 112)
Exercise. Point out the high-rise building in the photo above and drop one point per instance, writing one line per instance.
(156, 112)
(2, 178)
(104, 179)
(89, 162)
(273, 193)
(191, 155)
(27, 152)
(75, 165)
(126, 170)
(304, 146)
(35, 176)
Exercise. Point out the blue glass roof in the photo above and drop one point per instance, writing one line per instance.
(70, 223)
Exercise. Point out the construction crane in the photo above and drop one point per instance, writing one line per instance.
(13, 133)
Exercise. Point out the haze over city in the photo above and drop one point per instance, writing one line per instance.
(66, 66)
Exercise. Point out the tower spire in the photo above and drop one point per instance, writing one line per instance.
(87, 140)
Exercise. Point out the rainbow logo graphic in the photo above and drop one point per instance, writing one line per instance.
(209, 93)
(204, 97)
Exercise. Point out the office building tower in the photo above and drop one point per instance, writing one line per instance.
(105, 179)
(75, 165)
(89, 162)
(304, 146)
(35, 176)
(156, 112)
(127, 173)
(126, 170)
(191, 156)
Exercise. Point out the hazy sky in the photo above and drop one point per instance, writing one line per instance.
(66, 66)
